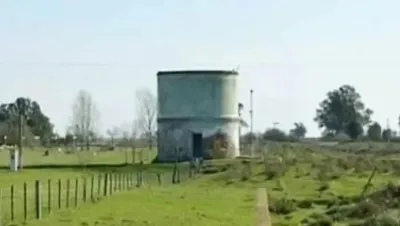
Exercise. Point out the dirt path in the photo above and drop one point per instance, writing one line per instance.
(263, 218)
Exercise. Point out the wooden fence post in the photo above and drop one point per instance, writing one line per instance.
(59, 194)
(12, 209)
(159, 178)
(138, 178)
(92, 188)
(190, 169)
(134, 181)
(1, 206)
(131, 178)
(49, 196)
(25, 201)
(84, 184)
(76, 191)
(38, 204)
(178, 175)
(174, 172)
(117, 181)
(111, 184)
(125, 181)
(121, 181)
(67, 193)
(105, 184)
(98, 185)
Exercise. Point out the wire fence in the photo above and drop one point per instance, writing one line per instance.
(40, 198)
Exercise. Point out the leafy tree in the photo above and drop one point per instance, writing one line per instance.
(354, 129)
(299, 130)
(386, 134)
(249, 137)
(374, 131)
(342, 108)
(24, 118)
(274, 135)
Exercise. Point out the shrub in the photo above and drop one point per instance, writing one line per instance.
(210, 170)
(320, 201)
(381, 221)
(320, 220)
(282, 206)
(344, 164)
(323, 187)
(305, 204)
(272, 173)
(246, 170)
(364, 209)
(322, 174)
(339, 213)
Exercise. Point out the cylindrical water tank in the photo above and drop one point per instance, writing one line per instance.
(197, 102)
(183, 94)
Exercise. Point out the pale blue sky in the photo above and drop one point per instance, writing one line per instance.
(290, 52)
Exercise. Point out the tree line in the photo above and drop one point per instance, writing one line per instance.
(23, 123)
(342, 115)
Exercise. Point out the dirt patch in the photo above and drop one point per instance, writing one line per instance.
(263, 217)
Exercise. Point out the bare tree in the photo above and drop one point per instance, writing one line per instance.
(146, 106)
(134, 141)
(113, 133)
(84, 117)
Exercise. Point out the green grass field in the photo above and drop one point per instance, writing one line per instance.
(36, 156)
(306, 186)
(169, 205)
(64, 169)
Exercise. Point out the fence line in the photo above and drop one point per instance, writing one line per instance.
(35, 200)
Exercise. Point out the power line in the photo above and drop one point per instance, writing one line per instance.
(66, 64)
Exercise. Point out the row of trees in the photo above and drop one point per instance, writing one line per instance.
(342, 112)
(84, 128)
(374, 132)
(341, 115)
(23, 123)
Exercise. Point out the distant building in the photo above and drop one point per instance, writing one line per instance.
(197, 114)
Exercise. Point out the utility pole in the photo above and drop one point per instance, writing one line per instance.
(20, 137)
(240, 108)
(388, 129)
(251, 123)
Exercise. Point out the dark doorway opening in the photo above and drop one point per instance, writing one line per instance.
(197, 145)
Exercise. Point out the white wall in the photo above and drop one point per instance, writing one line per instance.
(179, 134)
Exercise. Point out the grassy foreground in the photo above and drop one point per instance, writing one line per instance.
(306, 186)
(170, 205)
